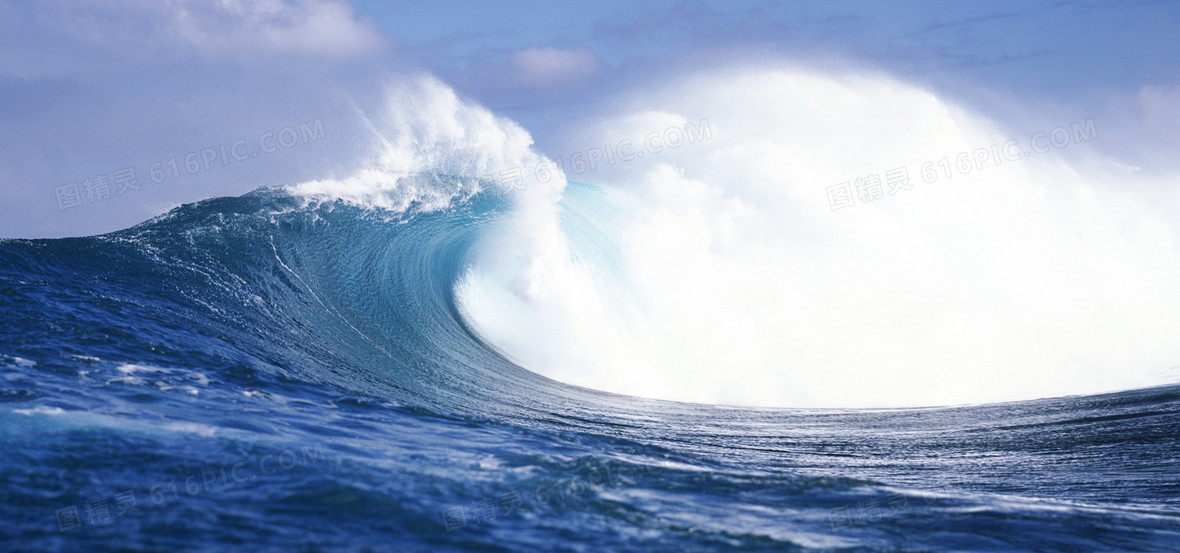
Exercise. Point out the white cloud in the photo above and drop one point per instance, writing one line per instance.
(1161, 111)
(59, 37)
(309, 27)
(548, 67)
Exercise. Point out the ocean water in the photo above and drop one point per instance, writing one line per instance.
(263, 373)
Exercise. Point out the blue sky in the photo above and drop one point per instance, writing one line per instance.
(89, 89)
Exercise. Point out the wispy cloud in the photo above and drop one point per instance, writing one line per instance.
(57, 37)
(549, 67)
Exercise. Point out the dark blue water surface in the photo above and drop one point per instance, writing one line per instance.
(254, 374)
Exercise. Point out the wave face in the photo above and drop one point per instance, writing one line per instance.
(339, 366)
(266, 373)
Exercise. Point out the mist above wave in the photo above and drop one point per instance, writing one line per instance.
(731, 278)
